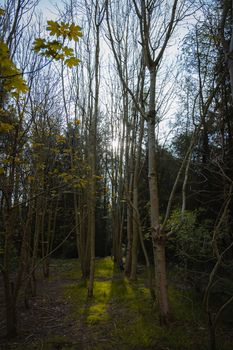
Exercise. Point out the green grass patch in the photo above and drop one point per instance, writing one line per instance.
(124, 311)
(95, 309)
(97, 313)
(104, 267)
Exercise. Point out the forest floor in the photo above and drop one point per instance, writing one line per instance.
(121, 315)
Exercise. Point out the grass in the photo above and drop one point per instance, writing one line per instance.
(124, 310)
(122, 315)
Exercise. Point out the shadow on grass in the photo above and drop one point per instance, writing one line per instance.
(121, 315)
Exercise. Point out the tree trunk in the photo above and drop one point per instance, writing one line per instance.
(98, 17)
(230, 56)
(212, 334)
(10, 297)
(158, 237)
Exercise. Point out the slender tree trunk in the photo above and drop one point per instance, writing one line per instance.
(9, 287)
(98, 17)
(230, 56)
(133, 273)
(158, 237)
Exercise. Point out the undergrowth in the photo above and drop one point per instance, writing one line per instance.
(125, 311)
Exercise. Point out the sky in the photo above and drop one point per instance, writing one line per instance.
(48, 8)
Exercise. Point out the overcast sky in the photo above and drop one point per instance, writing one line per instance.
(48, 7)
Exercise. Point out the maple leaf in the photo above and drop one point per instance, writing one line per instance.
(72, 61)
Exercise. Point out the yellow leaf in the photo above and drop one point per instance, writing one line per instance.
(53, 28)
(60, 139)
(72, 61)
(75, 32)
(38, 44)
(10, 73)
(68, 51)
(5, 127)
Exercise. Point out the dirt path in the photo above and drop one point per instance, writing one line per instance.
(46, 317)
(49, 325)
(121, 316)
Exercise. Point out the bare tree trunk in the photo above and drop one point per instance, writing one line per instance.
(158, 236)
(51, 226)
(227, 8)
(134, 253)
(9, 287)
(98, 18)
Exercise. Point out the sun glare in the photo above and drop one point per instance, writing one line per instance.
(115, 144)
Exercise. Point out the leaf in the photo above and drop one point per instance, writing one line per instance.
(68, 51)
(56, 48)
(13, 80)
(38, 44)
(64, 28)
(75, 32)
(60, 139)
(1, 171)
(53, 28)
(54, 45)
(20, 85)
(72, 61)
(5, 127)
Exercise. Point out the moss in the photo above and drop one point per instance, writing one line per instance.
(94, 310)
(76, 294)
(135, 331)
(104, 268)
(97, 313)
(102, 290)
(124, 310)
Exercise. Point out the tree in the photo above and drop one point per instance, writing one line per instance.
(13, 177)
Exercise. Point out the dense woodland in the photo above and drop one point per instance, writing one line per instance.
(116, 137)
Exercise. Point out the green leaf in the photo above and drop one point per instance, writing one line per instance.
(5, 127)
(56, 48)
(53, 28)
(68, 51)
(72, 61)
(75, 32)
(38, 44)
